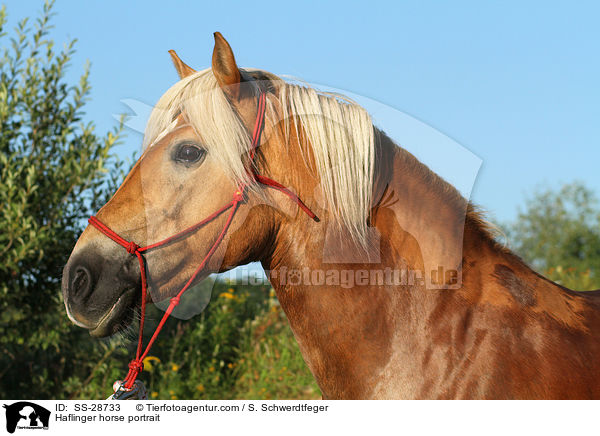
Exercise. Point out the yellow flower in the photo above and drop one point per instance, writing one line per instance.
(172, 392)
(273, 308)
(154, 394)
(148, 362)
(231, 290)
(173, 397)
(174, 367)
(272, 292)
(200, 388)
(211, 369)
(227, 296)
(230, 365)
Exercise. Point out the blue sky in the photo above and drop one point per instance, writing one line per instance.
(515, 84)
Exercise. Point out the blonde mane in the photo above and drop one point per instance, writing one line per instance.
(339, 131)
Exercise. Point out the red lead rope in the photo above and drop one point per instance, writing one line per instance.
(136, 365)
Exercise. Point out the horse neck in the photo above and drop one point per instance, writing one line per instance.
(391, 339)
(347, 332)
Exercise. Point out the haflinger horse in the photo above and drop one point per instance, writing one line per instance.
(480, 325)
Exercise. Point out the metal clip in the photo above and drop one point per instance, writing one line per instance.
(136, 392)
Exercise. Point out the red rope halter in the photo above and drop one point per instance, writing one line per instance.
(136, 365)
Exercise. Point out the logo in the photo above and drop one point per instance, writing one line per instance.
(26, 415)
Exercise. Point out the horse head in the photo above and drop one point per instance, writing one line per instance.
(197, 153)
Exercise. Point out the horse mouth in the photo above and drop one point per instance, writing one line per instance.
(117, 317)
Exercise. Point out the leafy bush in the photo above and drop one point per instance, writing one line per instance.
(272, 367)
(572, 278)
(558, 233)
(54, 172)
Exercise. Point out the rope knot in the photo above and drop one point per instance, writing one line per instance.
(136, 366)
(175, 301)
(132, 247)
(238, 196)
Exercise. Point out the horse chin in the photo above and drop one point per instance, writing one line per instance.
(118, 317)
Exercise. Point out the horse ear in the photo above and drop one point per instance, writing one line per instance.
(224, 67)
(182, 69)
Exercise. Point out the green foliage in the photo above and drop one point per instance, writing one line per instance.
(271, 366)
(198, 357)
(573, 279)
(54, 172)
(558, 233)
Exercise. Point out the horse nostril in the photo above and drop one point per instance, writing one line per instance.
(81, 282)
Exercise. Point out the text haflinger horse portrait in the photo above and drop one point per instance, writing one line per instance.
(239, 165)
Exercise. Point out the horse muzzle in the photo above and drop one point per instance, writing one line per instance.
(100, 294)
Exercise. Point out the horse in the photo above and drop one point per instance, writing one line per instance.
(399, 290)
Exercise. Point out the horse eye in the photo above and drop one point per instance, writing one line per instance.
(189, 153)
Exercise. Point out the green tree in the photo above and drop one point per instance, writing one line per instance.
(558, 233)
(55, 171)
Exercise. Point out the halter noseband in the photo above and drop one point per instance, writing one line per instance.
(136, 365)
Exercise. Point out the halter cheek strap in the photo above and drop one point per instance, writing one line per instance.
(136, 365)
